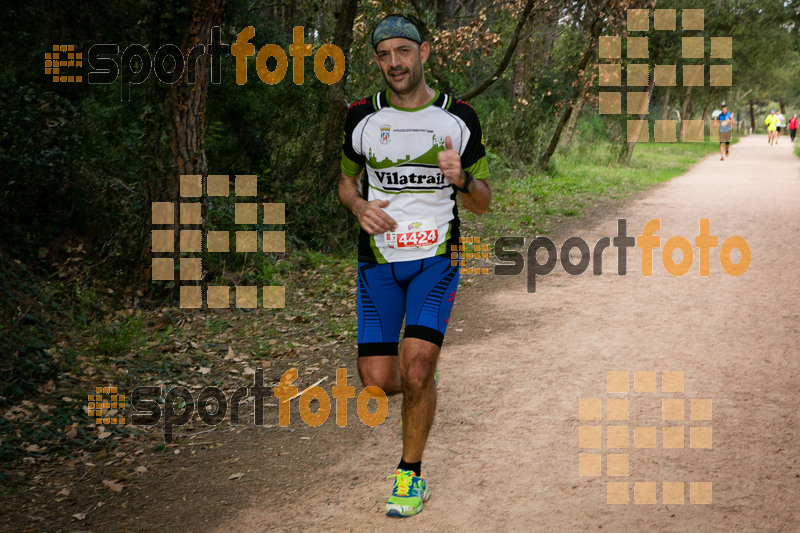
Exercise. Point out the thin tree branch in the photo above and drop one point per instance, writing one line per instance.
(595, 27)
(512, 46)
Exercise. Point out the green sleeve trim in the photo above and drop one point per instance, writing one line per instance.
(480, 169)
(350, 167)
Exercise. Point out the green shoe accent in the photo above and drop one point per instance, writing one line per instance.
(409, 493)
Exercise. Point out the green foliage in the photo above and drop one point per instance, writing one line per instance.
(515, 131)
(120, 336)
(25, 334)
(216, 325)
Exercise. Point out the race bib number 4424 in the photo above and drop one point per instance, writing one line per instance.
(413, 234)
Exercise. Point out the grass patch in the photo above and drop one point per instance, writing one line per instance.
(119, 336)
(528, 201)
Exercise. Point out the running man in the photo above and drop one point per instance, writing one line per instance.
(772, 125)
(780, 126)
(793, 126)
(725, 122)
(415, 150)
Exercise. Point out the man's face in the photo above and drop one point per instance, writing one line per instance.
(400, 61)
(724, 109)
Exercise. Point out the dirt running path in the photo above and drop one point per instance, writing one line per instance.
(503, 454)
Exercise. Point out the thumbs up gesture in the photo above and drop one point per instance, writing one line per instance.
(450, 164)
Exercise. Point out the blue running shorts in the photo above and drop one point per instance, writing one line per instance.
(422, 290)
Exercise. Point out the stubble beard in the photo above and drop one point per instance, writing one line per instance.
(407, 86)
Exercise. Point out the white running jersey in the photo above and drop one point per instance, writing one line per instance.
(398, 149)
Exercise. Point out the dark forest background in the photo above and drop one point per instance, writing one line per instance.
(79, 166)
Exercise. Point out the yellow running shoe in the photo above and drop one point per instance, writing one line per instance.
(409, 493)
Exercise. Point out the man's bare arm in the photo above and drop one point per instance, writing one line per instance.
(371, 216)
(478, 200)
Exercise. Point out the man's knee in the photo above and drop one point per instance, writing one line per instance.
(378, 373)
(370, 378)
(418, 376)
(418, 364)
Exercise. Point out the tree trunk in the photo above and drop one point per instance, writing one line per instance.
(706, 124)
(687, 98)
(549, 34)
(752, 117)
(783, 106)
(665, 110)
(573, 122)
(445, 10)
(517, 85)
(337, 105)
(184, 113)
(667, 103)
(519, 88)
(625, 156)
(186, 104)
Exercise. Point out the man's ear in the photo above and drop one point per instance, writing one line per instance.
(375, 58)
(424, 51)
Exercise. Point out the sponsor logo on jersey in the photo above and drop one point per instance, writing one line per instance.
(393, 178)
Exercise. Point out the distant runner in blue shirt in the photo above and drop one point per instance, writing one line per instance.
(725, 122)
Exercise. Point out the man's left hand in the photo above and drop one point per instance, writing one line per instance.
(450, 164)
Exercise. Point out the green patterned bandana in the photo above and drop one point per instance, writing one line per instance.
(395, 26)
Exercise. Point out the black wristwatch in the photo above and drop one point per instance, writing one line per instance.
(469, 184)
